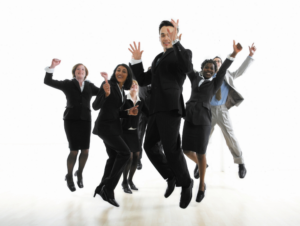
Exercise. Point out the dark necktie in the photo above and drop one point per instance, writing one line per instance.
(218, 94)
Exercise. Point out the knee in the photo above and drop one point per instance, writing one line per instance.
(85, 152)
(186, 152)
(201, 157)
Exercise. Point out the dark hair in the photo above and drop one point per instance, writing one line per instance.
(128, 82)
(219, 58)
(166, 23)
(75, 67)
(210, 61)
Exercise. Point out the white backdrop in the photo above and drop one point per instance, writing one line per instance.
(98, 34)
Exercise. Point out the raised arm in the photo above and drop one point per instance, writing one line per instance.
(49, 74)
(184, 56)
(222, 71)
(103, 93)
(136, 65)
(248, 61)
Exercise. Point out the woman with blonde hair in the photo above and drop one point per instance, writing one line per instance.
(77, 116)
(130, 136)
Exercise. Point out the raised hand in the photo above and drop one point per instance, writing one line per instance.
(252, 50)
(106, 86)
(236, 49)
(136, 51)
(55, 62)
(133, 111)
(173, 35)
(180, 37)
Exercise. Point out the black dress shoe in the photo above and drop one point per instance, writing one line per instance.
(201, 194)
(171, 187)
(186, 195)
(242, 170)
(132, 186)
(126, 188)
(104, 195)
(79, 179)
(70, 183)
(139, 165)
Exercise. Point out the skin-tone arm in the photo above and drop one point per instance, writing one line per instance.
(252, 50)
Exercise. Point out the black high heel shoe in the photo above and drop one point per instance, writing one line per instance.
(104, 195)
(132, 186)
(126, 188)
(79, 179)
(70, 183)
(201, 194)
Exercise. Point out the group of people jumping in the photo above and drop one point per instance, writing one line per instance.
(122, 119)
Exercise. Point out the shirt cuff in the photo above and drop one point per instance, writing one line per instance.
(175, 41)
(250, 56)
(230, 58)
(49, 70)
(133, 61)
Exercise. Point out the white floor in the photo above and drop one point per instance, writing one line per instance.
(33, 192)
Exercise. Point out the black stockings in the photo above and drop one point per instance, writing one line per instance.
(130, 167)
(71, 160)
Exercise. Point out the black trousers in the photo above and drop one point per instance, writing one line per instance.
(143, 121)
(118, 155)
(164, 127)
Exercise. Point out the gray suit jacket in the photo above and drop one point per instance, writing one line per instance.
(234, 97)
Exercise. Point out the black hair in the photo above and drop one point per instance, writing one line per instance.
(210, 61)
(219, 58)
(166, 23)
(128, 82)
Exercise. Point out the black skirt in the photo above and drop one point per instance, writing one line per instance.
(132, 140)
(195, 138)
(78, 134)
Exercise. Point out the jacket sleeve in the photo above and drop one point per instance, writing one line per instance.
(184, 57)
(144, 108)
(242, 69)
(192, 75)
(100, 99)
(54, 83)
(95, 90)
(221, 74)
(143, 78)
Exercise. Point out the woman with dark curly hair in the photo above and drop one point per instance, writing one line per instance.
(197, 123)
(77, 116)
(110, 99)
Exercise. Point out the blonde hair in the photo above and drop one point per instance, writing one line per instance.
(75, 67)
(135, 81)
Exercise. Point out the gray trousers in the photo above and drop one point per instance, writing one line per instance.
(220, 116)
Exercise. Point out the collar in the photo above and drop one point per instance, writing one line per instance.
(129, 98)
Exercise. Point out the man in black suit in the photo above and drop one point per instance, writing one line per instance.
(166, 76)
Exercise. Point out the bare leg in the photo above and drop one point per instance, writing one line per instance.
(202, 170)
(191, 155)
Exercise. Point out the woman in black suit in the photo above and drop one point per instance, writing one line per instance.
(77, 116)
(110, 99)
(197, 123)
(130, 135)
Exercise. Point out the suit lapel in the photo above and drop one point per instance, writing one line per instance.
(161, 57)
(76, 83)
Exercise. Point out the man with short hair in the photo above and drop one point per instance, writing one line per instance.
(166, 76)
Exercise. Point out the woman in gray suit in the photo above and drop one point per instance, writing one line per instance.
(197, 123)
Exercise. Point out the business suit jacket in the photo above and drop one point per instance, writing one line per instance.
(78, 103)
(166, 76)
(111, 110)
(198, 107)
(133, 121)
(234, 97)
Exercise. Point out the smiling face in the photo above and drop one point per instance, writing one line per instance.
(218, 61)
(164, 38)
(80, 72)
(121, 74)
(208, 70)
